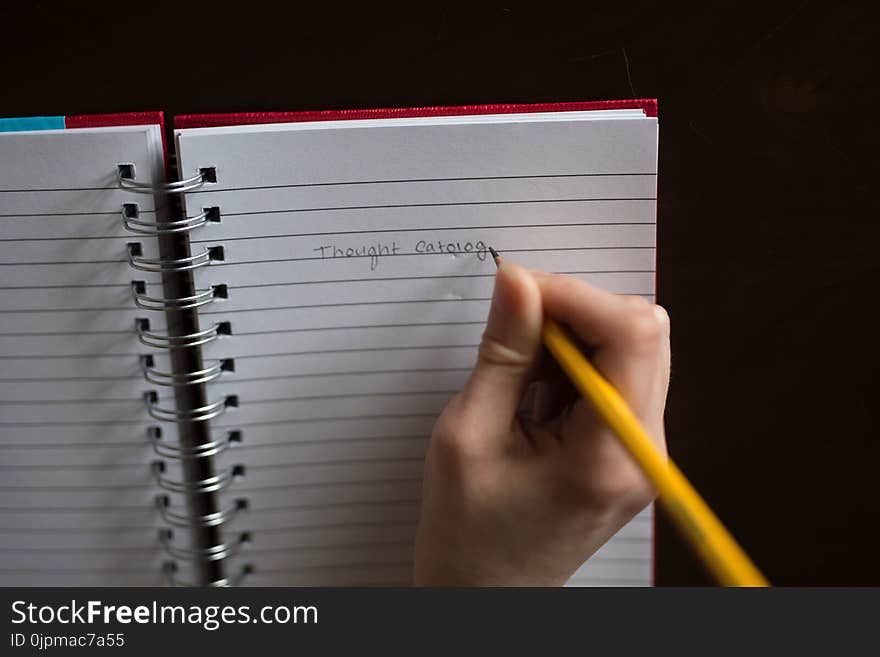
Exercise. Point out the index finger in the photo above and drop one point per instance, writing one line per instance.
(597, 317)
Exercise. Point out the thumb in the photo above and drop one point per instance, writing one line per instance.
(510, 347)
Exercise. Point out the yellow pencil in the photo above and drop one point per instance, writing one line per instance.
(720, 552)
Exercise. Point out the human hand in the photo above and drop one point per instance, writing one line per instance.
(523, 482)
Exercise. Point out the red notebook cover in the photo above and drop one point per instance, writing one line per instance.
(109, 120)
(649, 105)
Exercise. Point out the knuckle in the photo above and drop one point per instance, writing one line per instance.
(621, 491)
(618, 486)
(564, 286)
(644, 326)
(454, 442)
(638, 497)
(663, 318)
(495, 352)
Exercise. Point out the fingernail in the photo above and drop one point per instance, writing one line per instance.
(502, 301)
(662, 317)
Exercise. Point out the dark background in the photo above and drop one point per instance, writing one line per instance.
(769, 225)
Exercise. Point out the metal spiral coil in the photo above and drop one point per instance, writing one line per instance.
(225, 550)
(203, 450)
(182, 519)
(211, 484)
(160, 341)
(170, 568)
(162, 266)
(210, 373)
(133, 223)
(179, 260)
(125, 179)
(201, 298)
(201, 414)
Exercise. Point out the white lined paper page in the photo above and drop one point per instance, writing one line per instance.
(76, 495)
(357, 266)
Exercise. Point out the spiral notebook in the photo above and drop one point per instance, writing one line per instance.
(220, 361)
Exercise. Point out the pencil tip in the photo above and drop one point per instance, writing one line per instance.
(495, 255)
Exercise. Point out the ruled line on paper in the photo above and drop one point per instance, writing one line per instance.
(146, 423)
(390, 206)
(70, 488)
(337, 566)
(228, 263)
(74, 286)
(212, 189)
(61, 423)
(103, 400)
(64, 262)
(329, 547)
(267, 466)
(86, 530)
(350, 373)
(244, 488)
(89, 549)
(221, 263)
(250, 446)
(56, 356)
(116, 444)
(83, 238)
(263, 530)
(424, 180)
(351, 461)
(66, 508)
(74, 466)
(19, 311)
(322, 329)
(289, 353)
(262, 378)
(357, 350)
(375, 279)
(40, 190)
(83, 571)
(299, 283)
(225, 311)
(72, 378)
(65, 333)
(235, 488)
(438, 229)
(360, 303)
(109, 213)
(152, 511)
(334, 418)
(392, 393)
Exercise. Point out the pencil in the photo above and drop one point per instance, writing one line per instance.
(708, 537)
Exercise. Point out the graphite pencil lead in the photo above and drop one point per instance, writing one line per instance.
(495, 256)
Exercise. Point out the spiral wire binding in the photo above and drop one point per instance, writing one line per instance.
(206, 375)
(201, 414)
(162, 266)
(125, 178)
(209, 485)
(201, 298)
(225, 550)
(179, 519)
(172, 451)
(160, 341)
(133, 221)
(170, 568)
